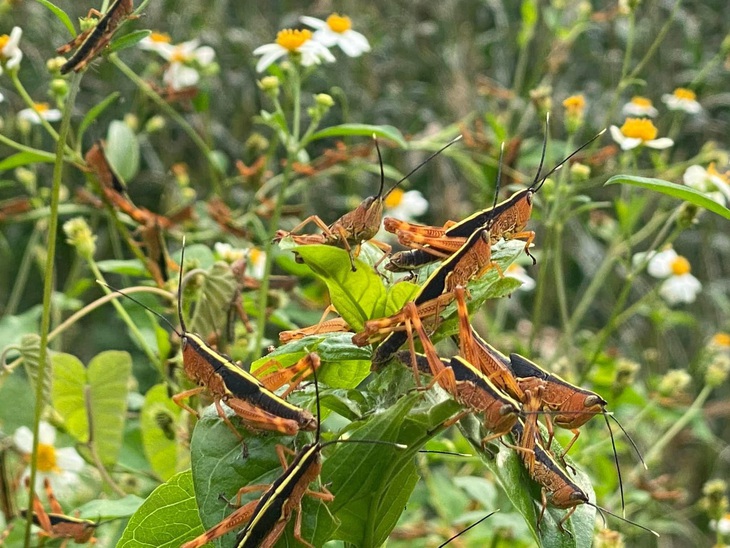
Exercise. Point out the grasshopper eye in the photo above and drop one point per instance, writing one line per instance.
(528, 197)
(594, 400)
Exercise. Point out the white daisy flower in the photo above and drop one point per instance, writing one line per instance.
(682, 99)
(256, 263)
(184, 59)
(639, 131)
(60, 466)
(10, 54)
(337, 31)
(2, 97)
(228, 253)
(290, 41)
(722, 525)
(679, 285)
(519, 273)
(405, 206)
(40, 111)
(710, 181)
(639, 106)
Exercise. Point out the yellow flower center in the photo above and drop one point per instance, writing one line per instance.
(4, 39)
(339, 23)
(514, 268)
(640, 101)
(47, 458)
(178, 56)
(160, 37)
(256, 255)
(680, 266)
(721, 339)
(685, 94)
(395, 198)
(40, 108)
(575, 104)
(712, 172)
(639, 128)
(291, 39)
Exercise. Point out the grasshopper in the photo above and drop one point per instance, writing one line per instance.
(510, 218)
(267, 516)
(557, 489)
(57, 525)
(251, 398)
(359, 225)
(92, 41)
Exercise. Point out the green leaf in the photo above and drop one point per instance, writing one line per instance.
(217, 291)
(159, 420)
(344, 130)
(132, 267)
(12, 328)
(107, 375)
(398, 295)
(168, 518)
(25, 158)
(69, 380)
(61, 15)
(122, 150)
(674, 190)
(30, 350)
(128, 40)
(105, 509)
(357, 296)
(95, 112)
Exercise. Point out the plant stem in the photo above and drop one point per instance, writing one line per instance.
(23, 271)
(48, 286)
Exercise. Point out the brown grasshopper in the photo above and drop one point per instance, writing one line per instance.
(509, 217)
(92, 41)
(357, 226)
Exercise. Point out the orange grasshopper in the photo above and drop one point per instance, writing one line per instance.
(92, 41)
(357, 226)
(509, 219)
(251, 398)
(57, 525)
(266, 517)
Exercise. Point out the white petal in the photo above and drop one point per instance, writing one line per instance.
(659, 144)
(23, 439)
(2, 97)
(52, 115)
(353, 43)
(314, 22)
(415, 203)
(269, 48)
(660, 265)
(179, 76)
(46, 433)
(327, 37)
(316, 48)
(696, 177)
(630, 143)
(204, 55)
(616, 134)
(269, 57)
(518, 273)
(68, 459)
(29, 115)
(680, 289)
(14, 38)
(189, 47)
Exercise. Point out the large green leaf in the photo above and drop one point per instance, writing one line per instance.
(216, 294)
(358, 295)
(60, 14)
(95, 112)
(30, 350)
(104, 383)
(674, 190)
(168, 517)
(158, 421)
(25, 158)
(346, 130)
(122, 150)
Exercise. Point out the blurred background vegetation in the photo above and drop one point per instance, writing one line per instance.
(491, 70)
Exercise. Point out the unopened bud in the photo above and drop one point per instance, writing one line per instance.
(154, 124)
(674, 383)
(607, 538)
(269, 85)
(718, 370)
(324, 100)
(132, 121)
(79, 235)
(54, 64)
(59, 87)
(580, 172)
(625, 373)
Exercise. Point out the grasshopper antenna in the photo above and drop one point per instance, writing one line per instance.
(382, 170)
(539, 184)
(631, 441)
(618, 467)
(602, 510)
(179, 288)
(490, 221)
(419, 166)
(470, 527)
(544, 150)
(147, 308)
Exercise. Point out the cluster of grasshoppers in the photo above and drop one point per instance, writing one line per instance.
(506, 393)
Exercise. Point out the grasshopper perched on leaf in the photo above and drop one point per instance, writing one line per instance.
(357, 226)
(509, 217)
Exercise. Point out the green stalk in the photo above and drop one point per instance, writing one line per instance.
(23, 271)
(293, 145)
(48, 285)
